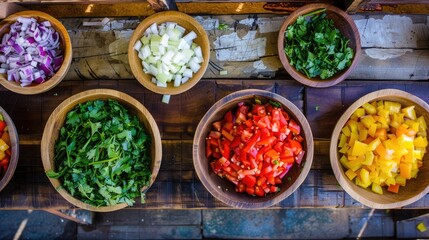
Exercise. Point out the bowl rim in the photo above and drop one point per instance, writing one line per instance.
(104, 94)
(13, 133)
(137, 68)
(287, 105)
(334, 159)
(285, 61)
(67, 54)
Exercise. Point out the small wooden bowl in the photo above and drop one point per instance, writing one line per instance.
(65, 45)
(56, 121)
(347, 27)
(223, 189)
(13, 134)
(415, 188)
(190, 24)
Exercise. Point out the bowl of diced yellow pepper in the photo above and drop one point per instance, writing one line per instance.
(379, 149)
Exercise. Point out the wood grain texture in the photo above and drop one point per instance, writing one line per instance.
(65, 45)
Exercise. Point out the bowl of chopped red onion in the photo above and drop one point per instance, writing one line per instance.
(253, 149)
(169, 52)
(35, 52)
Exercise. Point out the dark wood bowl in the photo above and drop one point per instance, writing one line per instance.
(415, 188)
(56, 121)
(65, 45)
(13, 134)
(347, 27)
(223, 189)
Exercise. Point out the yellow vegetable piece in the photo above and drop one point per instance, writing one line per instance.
(422, 124)
(420, 142)
(350, 174)
(359, 112)
(369, 158)
(376, 188)
(421, 227)
(370, 109)
(342, 141)
(3, 145)
(364, 176)
(359, 148)
(400, 180)
(372, 129)
(392, 107)
(405, 170)
(374, 144)
(367, 120)
(346, 131)
(409, 112)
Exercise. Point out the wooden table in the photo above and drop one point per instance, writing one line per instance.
(395, 55)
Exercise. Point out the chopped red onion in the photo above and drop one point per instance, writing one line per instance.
(30, 52)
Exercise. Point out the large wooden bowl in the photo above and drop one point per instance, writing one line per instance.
(223, 189)
(56, 121)
(347, 27)
(65, 45)
(415, 188)
(190, 24)
(13, 134)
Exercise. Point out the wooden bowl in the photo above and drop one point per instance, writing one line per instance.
(13, 134)
(415, 188)
(347, 27)
(223, 189)
(56, 121)
(190, 24)
(65, 45)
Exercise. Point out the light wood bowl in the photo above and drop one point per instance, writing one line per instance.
(224, 190)
(190, 24)
(56, 121)
(415, 188)
(65, 45)
(347, 27)
(13, 134)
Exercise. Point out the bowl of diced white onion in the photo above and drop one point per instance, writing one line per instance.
(169, 52)
(35, 52)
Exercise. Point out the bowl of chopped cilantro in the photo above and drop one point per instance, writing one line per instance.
(319, 45)
(101, 149)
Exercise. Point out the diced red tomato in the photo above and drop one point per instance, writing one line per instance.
(254, 147)
(2, 126)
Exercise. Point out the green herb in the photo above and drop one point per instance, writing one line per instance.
(257, 101)
(102, 154)
(275, 104)
(315, 47)
(222, 26)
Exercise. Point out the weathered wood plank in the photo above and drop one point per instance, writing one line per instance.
(246, 47)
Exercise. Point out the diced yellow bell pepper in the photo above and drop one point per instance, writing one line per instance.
(409, 112)
(346, 131)
(421, 227)
(397, 120)
(420, 142)
(344, 149)
(417, 154)
(400, 180)
(372, 129)
(359, 148)
(367, 120)
(422, 124)
(390, 181)
(376, 188)
(359, 112)
(344, 162)
(3, 145)
(374, 144)
(342, 141)
(363, 135)
(369, 158)
(353, 137)
(350, 174)
(405, 170)
(392, 107)
(383, 113)
(369, 109)
(405, 142)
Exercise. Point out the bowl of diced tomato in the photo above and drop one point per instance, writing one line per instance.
(252, 149)
(379, 149)
(9, 148)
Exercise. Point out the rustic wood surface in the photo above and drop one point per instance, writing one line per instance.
(395, 47)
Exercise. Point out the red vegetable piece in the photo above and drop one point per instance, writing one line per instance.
(249, 180)
(2, 126)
